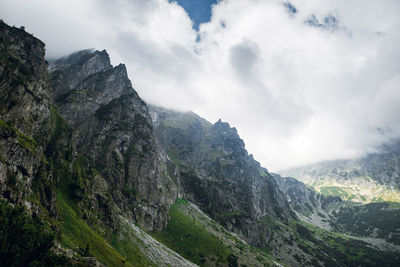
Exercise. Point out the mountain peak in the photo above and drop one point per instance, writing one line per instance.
(71, 70)
(121, 68)
(221, 125)
(74, 57)
(82, 56)
(224, 127)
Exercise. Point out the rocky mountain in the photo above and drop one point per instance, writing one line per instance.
(361, 195)
(113, 130)
(376, 223)
(91, 176)
(25, 115)
(306, 202)
(220, 176)
(217, 172)
(82, 194)
(78, 151)
(374, 177)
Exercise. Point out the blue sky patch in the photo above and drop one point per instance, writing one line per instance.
(199, 10)
(290, 8)
(329, 22)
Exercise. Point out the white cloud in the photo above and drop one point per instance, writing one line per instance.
(296, 93)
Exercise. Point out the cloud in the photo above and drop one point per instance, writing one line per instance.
(298, 92)
(243, 58)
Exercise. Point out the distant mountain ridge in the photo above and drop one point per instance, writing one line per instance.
(374, 177)
(218, 174)
(90, 175)
(360, 196)
(376, 223)
(79, 152)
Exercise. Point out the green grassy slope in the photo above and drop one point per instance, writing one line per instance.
(198, 238)
(77, 235)
(327, 248)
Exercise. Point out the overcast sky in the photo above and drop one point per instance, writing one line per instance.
(302, 81)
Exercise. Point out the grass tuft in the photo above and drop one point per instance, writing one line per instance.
(76, 233)
(190, 239)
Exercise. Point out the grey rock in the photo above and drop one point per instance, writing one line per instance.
(382, 166)
(112, 128)
(24, 113)
(68, 72)
(219, 176)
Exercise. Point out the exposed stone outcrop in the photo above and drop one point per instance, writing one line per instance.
(24, 115)
(220, 176)
(112, 128)
(69, 71)
(382, 167)
(80, 150)
(106, 121)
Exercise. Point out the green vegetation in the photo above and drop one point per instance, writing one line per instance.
(4, 124)
(225, 163)
(305, 209)
(334, 191)
(129, 192)
(190, 239)
(331, 248)
(231, 213)
(362, 220)
(185, 121)
(17, 72)
(74, 173)
(177, 162)
(129, 246)
(169, 124)
(76, 233)
(61, 130)
(393, 205)
(67, 178)
(24, 141)
(25, 241)
(363, 192)
(213, 153)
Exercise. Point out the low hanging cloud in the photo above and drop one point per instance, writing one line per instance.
(301, 80)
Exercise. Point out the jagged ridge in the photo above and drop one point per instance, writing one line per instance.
(80, 152)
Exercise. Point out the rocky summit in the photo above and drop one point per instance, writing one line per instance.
(220, 176)
(113, 130)
(90, 175)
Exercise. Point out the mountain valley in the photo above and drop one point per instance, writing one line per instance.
(91, 175)
(358, 197)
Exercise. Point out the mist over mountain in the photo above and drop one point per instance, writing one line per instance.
(372, 177)
(91, 175)
(357, 196)
(302, 81)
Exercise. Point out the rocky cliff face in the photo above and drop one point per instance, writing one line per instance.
(79, 150)
(375, 222)
(220, 176)
(309, 205)
(24, 116)
(359, 197)
(112, 128)
(69, 71)
(382, 168)
(85, 173)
